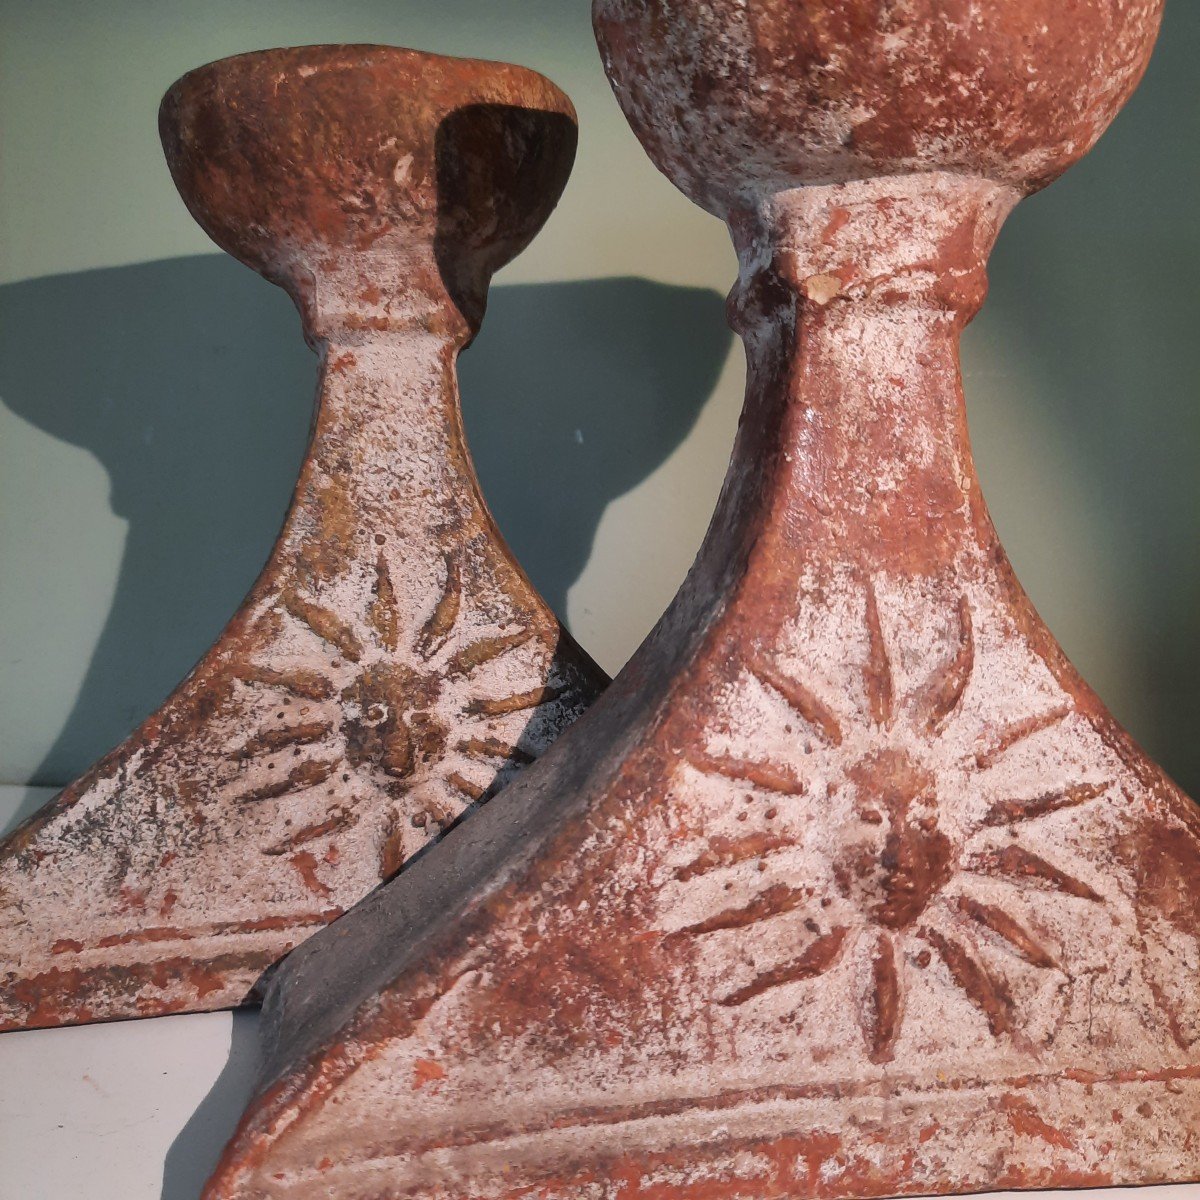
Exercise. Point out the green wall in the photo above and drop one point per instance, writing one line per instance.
(154, 395)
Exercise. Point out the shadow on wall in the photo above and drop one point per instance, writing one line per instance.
(1100, 294)
(572, 395)
(189, 381)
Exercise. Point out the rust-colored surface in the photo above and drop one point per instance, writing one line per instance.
(392, 667)
(849, 885)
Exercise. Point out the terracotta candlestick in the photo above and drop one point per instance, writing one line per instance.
(849, 886)
(392, 666)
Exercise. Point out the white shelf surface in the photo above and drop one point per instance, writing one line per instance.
(139, 1110)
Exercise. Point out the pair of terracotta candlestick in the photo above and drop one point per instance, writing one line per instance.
(848, 885)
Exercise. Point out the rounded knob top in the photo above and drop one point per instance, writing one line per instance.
(733, 98)
(342, 150)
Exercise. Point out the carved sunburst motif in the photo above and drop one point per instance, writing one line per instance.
(414, 717)
(857, 847)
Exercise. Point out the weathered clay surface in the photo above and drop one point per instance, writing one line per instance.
(849, 885)
(392, 667)
(736, 99)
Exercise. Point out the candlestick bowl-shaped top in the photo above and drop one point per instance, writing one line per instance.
(730, 98)
(302, 162)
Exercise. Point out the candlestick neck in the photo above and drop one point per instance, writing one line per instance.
(907, 241)
(851, 299)
(387, 464)
(399, 285)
